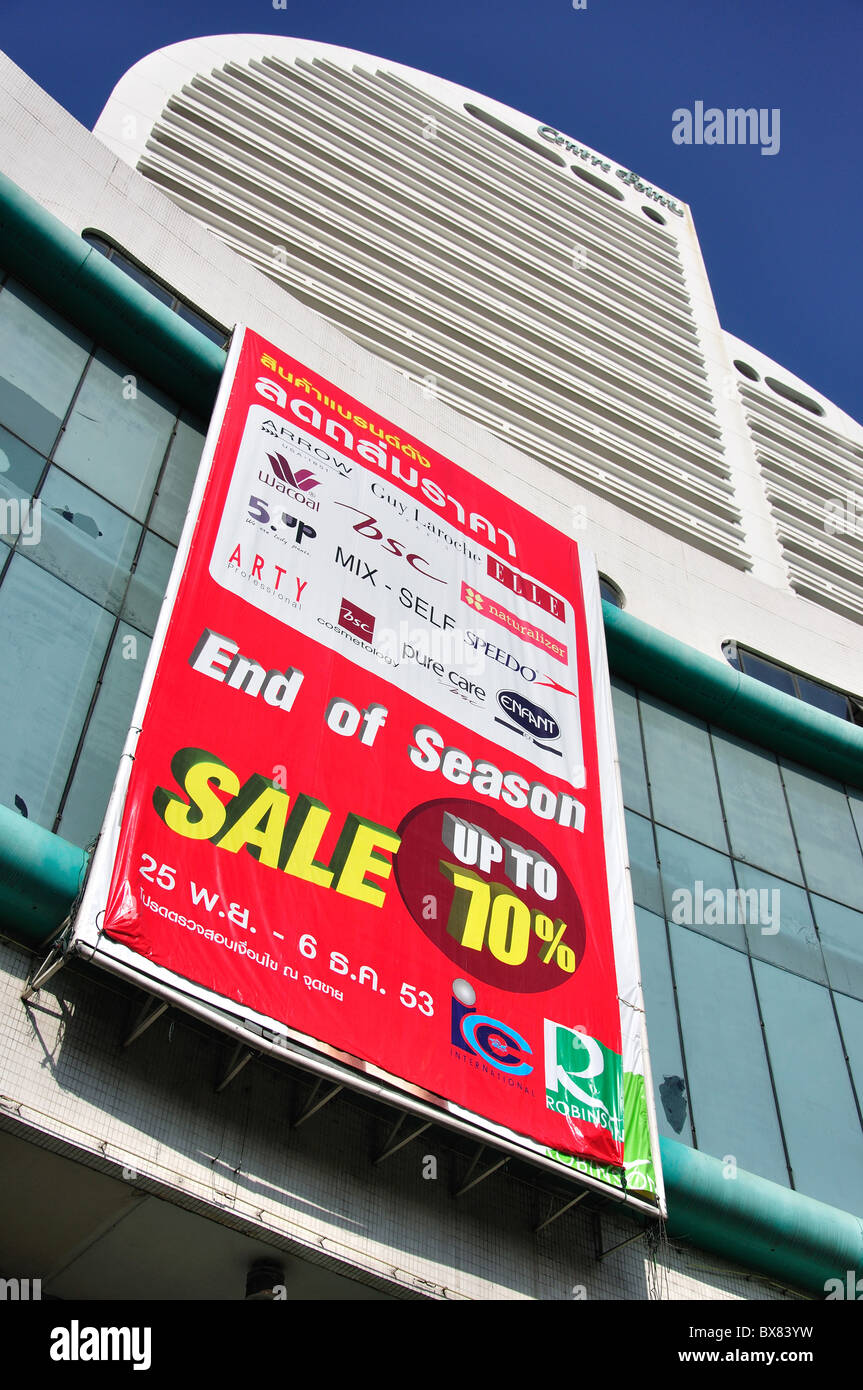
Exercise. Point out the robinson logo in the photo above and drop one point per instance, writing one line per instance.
(583, 1078)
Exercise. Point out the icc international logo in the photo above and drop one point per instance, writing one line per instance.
(493, 1042)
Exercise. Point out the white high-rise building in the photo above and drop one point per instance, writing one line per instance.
(543, 317)
(540, 289)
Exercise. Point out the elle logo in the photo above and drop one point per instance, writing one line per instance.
(526, 588)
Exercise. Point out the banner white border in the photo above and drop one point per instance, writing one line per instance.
(88, 941)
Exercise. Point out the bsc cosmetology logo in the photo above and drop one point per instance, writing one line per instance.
(356, 620)
(494, 1043)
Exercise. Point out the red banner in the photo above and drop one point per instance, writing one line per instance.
(365, 802)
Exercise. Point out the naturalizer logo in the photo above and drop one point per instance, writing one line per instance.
(20, 1290)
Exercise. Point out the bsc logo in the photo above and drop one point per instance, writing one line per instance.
(356, 620)
(495, 1043)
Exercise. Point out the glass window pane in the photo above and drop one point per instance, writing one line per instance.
(175, 489)
(149, 582)
(85, 541)
(830, 700)
(208, 329)
(682, 780)
(106, 733)
(769, 674)
(41, 361)
(855, 800)
(731, 1098)
(795, 946)
(20, 467)
(53, 641)
(117, 435)
(626, 727)
(850, 1013)
(758, 823)
(642, 863)
(699, 886)
(815, 1097)
(825, 833)
(672, 1103)
(841, 931)
(142, 278)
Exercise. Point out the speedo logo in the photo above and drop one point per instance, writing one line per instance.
(512, 663)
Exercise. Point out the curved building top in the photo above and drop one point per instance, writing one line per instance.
(539, 288)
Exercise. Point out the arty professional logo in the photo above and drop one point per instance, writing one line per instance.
(357, 621)
(493, 1042)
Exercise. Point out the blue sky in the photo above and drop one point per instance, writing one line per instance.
(781, 234)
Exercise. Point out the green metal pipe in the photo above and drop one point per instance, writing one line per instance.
(713, 690)
(40, 875)
(758, 1224)
(107, 305)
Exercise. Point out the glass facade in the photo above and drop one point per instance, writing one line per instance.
(747, 870)
(96, 468)
(747, 873)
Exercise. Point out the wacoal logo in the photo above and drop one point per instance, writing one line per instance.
(304, 480)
